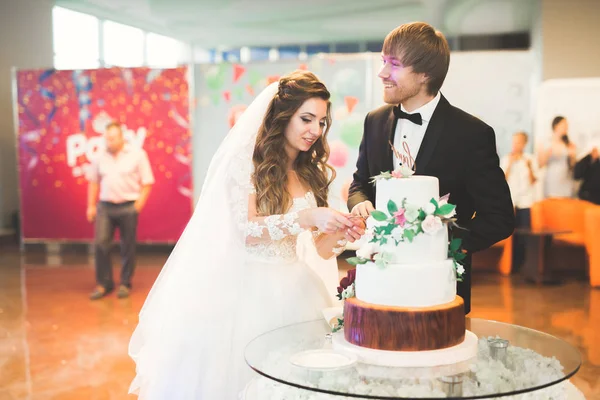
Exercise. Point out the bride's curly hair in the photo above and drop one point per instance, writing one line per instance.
(270, 158)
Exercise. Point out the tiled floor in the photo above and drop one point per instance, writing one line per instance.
(56, 344)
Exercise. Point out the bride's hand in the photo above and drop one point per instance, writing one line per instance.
(328, 220)
(356, 232)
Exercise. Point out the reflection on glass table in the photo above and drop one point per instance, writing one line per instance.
(511, 360)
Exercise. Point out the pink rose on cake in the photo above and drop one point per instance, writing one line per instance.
(431, 224)
(399, 217)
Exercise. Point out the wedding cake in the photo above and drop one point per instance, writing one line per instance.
(401, 306)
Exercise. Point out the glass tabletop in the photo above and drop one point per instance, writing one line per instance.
(526, 361)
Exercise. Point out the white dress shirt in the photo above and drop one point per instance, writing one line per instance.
(409, 136)
(121, 177)
(522, 190)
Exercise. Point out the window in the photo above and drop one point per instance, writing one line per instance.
(163, 51)
(312, 49)
(76, 39)
(123, 45)
(259, 53)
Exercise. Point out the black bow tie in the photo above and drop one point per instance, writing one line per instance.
(414, 118)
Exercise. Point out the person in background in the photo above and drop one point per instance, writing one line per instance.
(588, 170)
(559, 160)
(120, 180)
(521, 174)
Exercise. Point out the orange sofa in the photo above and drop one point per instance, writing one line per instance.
(580, 217)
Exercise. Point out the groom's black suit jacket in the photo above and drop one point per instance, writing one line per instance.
(458, 149)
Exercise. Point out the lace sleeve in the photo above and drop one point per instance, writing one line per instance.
(272, 227)
(329, 246)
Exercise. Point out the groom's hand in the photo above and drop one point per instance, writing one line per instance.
(363, 209)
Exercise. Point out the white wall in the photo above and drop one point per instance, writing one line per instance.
(570, 33)
(25, 42)
(494, 86)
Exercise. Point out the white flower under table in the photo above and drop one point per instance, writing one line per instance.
(298, 362)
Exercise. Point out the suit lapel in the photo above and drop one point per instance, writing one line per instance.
(432, 135)
(388, 132)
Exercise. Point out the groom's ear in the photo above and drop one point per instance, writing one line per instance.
(423, 78)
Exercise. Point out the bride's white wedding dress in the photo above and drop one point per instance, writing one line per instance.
(216, 292)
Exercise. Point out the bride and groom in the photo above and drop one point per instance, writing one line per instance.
(235, 272)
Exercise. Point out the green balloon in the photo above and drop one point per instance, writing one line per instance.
(254, 77)
(351, 132)
(239, 92)
(215, 76)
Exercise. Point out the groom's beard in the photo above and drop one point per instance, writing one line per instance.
(398, 95)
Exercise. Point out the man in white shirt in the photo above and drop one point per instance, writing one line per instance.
(520, 169)
(120, 178)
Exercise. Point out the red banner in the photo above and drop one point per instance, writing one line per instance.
(62, 117)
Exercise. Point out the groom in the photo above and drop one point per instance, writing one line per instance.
(438, 139)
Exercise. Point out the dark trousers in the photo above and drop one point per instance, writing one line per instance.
(111, 216)
(522, 220)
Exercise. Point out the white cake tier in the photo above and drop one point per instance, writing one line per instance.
(406, 285)
(417, 190)
(459, 356)
(424, 248)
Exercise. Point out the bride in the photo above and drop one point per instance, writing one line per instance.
(234, 273)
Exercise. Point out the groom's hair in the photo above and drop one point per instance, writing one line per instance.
(420, 46)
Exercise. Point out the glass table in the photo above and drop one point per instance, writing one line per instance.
(511, 360)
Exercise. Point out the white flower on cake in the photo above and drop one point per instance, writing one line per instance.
(367, 250)
(348, 292)
(397, 234)
(403, 172)
(429, 208)
(411, 212)
(399, 222)
(460, 269)
(431, 224)
(382, 259)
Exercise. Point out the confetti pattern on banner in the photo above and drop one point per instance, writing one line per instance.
(62, 116)
(238, 71)
(338, 156)
(351, 102)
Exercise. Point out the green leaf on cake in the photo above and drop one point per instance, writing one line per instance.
(445, 209)
(460, 256)
(338, 326)
(455, 245)
(379, 216)
(384, 175)
(434, 202)
(422, 215)
(392, 208)
(356, 260)
(409, 234)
